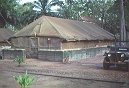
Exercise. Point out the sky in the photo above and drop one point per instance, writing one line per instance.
(24, 1)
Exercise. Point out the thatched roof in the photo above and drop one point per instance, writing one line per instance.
(64, 28)
(5, 34)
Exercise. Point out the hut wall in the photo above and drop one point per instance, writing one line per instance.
(33, 44)
(20, 42)
(55, 43)
(50, 55)
(84, 44)
(14, 42)
(49, 43)
(13, 53)
(52, 49)
(38, 42)
(86, 53)
(76, 54)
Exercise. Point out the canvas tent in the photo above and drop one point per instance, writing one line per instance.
(59, 34)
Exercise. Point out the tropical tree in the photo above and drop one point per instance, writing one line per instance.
(105, 12)
(44, 6)
(113, 17)
(126, 10)
(96, 9)
(24, 14)
(13, 14)
(69, 9)
(6, 10)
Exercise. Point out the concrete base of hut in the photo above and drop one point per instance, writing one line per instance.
(13, 53)
(70, 55)
(51, 55)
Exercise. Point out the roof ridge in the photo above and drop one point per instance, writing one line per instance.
(53, 26)
(65, 28)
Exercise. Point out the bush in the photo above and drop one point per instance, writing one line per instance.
(67, 54)
(20, 60)
(24, 80)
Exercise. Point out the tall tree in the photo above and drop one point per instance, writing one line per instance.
(70, 9)
(45, 6)
(122, 22)
(96, 9)
(6, 10)
(113, 21)
(13, 13)
(24, 14)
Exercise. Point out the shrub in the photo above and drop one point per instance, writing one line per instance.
(19, 60)
(24, 80)
(67, 54)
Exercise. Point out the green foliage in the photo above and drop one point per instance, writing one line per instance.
(73, 9)
(45, 6)
(19, 60)
(67, 54)
(24, 80)
(105, 12)
(24, 14)
(113, 17)
(6, 10)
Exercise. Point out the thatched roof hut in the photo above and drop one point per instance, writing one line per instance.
(52, 33)
(5, 34)
(64, 28)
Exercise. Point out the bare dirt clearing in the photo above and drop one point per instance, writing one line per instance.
(90, 68)
(7, 81)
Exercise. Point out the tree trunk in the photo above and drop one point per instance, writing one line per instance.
(122, 22)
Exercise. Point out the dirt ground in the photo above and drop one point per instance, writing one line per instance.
(7, 81)
(90, 69)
